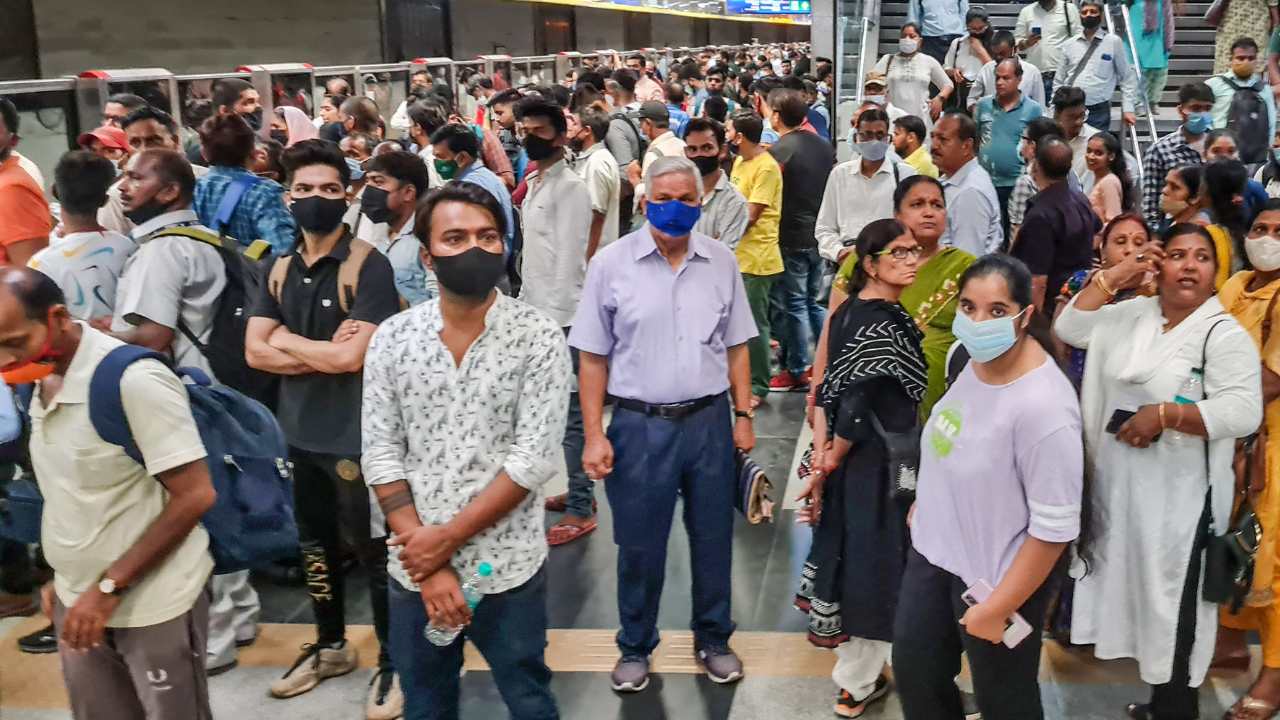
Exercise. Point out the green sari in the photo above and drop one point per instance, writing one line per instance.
(931, 301)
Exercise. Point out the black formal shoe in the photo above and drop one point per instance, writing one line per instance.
(40, 642)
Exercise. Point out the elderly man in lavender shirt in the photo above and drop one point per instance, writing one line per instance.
(663, 325)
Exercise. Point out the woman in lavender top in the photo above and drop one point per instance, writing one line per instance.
(1188, 378)
(999, 498)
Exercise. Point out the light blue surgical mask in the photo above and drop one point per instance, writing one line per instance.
(873, 150)
(850, 140)
(1198, 123)
(986, 340)
(357, 173)
(1276, 153)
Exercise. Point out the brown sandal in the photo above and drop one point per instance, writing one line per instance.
(1250, 708)
(561, 534)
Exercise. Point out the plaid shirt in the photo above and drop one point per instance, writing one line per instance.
(1167, 153)
(260, 215)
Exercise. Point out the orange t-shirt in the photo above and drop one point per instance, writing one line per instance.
(24, 213)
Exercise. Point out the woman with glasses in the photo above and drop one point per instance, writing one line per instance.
(870, 394)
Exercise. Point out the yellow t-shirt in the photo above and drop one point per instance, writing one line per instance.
(760, 181)
(97, 502)
(922, 162)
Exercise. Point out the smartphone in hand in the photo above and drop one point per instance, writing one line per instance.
(1016, 628)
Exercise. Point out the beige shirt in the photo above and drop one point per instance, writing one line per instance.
(599, 171)
(98, 502)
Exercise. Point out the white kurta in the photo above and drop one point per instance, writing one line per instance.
(1147, 503)
(909, 78)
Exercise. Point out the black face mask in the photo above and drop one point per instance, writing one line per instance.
(317, 214)
(471, 274)
(146, 213)
(538, 148)
(577, 144)
(707, 164)
(254, 119)
(280, 136)
(1090, 22)
(373, 204)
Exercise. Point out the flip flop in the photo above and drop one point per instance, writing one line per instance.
(561, 534)
(556, 503)
(1251, 705)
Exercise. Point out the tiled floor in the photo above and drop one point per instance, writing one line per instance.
(767, 561)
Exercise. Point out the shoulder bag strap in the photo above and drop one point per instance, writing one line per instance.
(1067, 16)
(1093, 47)
(1204, 360)
(279, 271)
(227, 208)
(1266, 319)
(349, 274)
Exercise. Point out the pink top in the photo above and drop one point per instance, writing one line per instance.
(1107, 198)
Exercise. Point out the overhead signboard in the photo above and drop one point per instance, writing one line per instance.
(768, 7)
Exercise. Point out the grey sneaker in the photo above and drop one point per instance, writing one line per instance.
(721, 663)
(631, 674)
(317, 662)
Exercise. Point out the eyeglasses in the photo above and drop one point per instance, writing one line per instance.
(901, 253)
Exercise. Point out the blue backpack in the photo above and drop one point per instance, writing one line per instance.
(252, 520)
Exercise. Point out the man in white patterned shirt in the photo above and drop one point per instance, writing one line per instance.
(465, 398)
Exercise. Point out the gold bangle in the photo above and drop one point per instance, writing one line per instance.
(1162, 425)
(1102, 284)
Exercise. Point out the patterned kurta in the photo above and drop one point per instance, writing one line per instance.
(1243, 18)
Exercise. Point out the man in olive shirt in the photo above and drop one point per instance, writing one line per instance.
(757, 176)
(806, 161)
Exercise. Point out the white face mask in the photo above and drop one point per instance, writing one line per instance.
(1263, 252)
(877, 99)
(907, 46)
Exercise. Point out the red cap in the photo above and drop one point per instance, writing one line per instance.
(112, 137)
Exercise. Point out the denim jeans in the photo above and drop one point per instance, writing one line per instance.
(655, 461)
(801, 285)
(1100, 116)
(510, 631)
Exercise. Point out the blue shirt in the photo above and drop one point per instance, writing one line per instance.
(260, 215)
(939, 18)
(999, 131)
(480, 175)
(679, 120)
(820, 119)
(973, 217)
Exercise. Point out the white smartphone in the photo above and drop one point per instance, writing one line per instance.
(1016, 629)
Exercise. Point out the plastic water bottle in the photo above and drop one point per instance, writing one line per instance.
(471, 592)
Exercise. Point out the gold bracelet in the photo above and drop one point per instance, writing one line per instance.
(1162, 425)
(1102, 284)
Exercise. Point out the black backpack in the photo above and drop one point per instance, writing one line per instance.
(1247, 117)
(246, 270)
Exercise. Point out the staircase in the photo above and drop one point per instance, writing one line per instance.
(1191, 60)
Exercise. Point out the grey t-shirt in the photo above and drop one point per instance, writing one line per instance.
(998, 463)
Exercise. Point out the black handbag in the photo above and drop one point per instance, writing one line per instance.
(1229, 558)
(902, 451)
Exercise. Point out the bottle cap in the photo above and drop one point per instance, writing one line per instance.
(485, 569)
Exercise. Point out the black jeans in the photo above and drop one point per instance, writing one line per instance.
(333, 524)
(937, 47)
(928, 640)
(1176, 699)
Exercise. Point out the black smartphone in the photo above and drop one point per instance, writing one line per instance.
(1119, 418)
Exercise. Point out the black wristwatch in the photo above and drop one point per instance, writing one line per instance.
(748, 414)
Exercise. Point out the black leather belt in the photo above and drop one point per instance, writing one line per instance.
(667, 411)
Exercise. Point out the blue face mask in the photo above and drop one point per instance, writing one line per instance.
(356, 172)
(673, 217)
(1198, 123)
(850, 139)
(986, 340)
(1276, 153)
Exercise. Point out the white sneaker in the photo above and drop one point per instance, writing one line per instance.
(317, 662)
(386, 701)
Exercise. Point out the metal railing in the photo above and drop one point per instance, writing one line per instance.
(856, 37)
(54, 112)
(1136, 67)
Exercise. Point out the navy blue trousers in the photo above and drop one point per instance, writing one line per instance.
(654, 461)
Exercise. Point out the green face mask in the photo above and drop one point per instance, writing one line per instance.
(446, 168)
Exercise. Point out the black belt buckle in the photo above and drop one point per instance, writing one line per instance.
(672, 411)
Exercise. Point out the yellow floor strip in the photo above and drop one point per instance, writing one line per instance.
(35, 681)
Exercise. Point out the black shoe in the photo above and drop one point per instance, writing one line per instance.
(40, 642)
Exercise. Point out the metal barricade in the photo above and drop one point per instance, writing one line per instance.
(48, 119)
(332, 80)
(498, 66)
(155, 85)
(387, 85)
(544, 70)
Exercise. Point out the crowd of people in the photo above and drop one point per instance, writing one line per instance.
(1012, 351)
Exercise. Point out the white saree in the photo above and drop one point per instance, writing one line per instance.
(1147, 503)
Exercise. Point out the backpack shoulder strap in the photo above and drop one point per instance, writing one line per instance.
(279, 271)
(106, 408)
(957, 358)
(349, 273)
(235, 192)
(256, 250)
